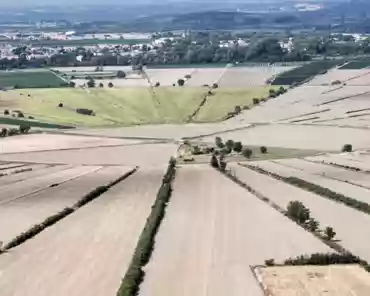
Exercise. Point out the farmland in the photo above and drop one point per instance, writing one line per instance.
(30, 79)
(310, 280)
(304, 72)
(222, 221)
(92, 210)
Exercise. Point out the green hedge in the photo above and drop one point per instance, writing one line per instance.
(135, 274)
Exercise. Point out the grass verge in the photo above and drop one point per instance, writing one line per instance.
(51, 220)
(135, 274)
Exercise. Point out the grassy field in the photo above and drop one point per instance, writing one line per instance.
(225, 100)
(30, 79)
(304, 72)
(126, 106)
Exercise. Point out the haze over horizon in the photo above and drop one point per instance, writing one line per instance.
(117, 2)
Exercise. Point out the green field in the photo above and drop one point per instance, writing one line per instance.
(30, 79)
(300, 74)
(225, 100)
(358, 64)
(125, 106)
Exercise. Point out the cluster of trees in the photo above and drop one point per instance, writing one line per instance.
(230, 146)
(302, 215)
(22, 129)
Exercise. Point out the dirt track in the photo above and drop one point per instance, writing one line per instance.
(213, 230)
(88, 252)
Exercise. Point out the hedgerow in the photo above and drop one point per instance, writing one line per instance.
(135, 274)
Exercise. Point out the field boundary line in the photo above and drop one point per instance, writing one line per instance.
(252, 125)
(320, 175)
(47, 187)
(316, 189)
(53, 219)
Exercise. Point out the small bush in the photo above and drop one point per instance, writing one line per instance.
(256, 101)
(13, 132)
(6, 112)
(219, 143)
(31, 117)
(270, 262)
(237, 109)
(214, 85)
(60, 105)
(247, 153)
(336, 82)
(24, 128)
(347, 148)
(214, 161)
(72, 84)
(263, 150)
(121, 74)
(181, 82)
(188, 76)
(157, 84)
(110, 85)
(101, 85)
(85, 111)
(20, 115)
(329, 233)
(229, 144)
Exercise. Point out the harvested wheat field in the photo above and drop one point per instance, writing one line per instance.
(136, 155)
(348, 188)
(345, 220)
(18, 215)
(336, 173)
(334, 280)
(42, 142)
(299, 137)
(88, 252)
(20, 189)
(212, 232)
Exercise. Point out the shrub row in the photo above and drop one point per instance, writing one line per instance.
(323, 259)
(36, 229)
(324, 192)
(347, 167)
(135, 274)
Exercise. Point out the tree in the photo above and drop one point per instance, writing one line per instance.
(110, 84)
(247, 153)
(91, 83)
(238, 147)
(256, 101)
(219, 143)
(4, 132)
(121, 74)
(214, 85)
(214, 161)
(157, 84)
(229, 144)
(272, 93)
(6, 112)
(188, 76)
(72, 84)
(313, 225)
(60, 105)
(101, 85)
(347, 148)
(237, 109)
(298, 212)
(329, 233)
(222, 164)
(263, 150)
(181, 82)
